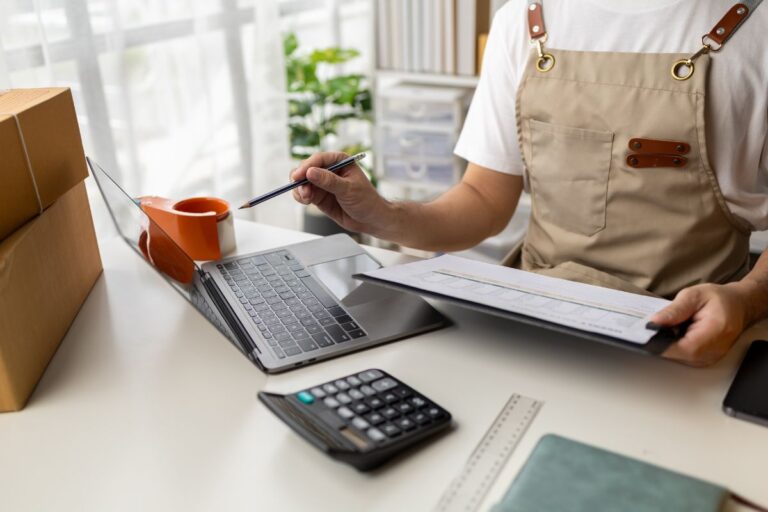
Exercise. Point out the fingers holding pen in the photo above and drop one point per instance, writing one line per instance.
(302, 194)
(322, 160)
(307, 194)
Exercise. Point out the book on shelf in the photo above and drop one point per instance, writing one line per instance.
(448, 33)
(417, 24)
(433, 36)
(482, 40)
(383, 17)
(407, 31)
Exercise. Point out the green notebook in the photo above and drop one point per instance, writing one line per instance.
(564, 475)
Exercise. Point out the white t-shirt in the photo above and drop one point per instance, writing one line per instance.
(737, 101)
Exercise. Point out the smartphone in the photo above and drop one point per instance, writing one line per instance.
(747, 398)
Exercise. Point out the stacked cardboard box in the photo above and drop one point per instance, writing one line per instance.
(49, 259)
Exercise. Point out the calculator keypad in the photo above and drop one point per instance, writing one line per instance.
(379, 407)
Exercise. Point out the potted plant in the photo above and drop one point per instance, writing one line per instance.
(321, 104)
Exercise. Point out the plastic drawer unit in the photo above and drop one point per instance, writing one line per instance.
(416, 104)
(417, 129)
(420, 143)
(405, 171)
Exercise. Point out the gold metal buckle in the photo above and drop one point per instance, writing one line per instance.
(706, 47)
(680, 64)
(709, 43)
(546, 61)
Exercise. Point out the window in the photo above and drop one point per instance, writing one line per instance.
(168, 93)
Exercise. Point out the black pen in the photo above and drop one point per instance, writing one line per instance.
(292, 185)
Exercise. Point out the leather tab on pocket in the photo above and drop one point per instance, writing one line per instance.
(670, 147)
(644, 161)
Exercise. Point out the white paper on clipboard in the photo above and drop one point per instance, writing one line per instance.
(586, 307)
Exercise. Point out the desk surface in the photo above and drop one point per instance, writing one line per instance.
(147, 407)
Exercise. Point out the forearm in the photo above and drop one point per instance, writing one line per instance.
(457, 220)
(754, 288)
(478, 207)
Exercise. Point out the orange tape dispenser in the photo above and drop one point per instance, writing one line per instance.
(202, 227)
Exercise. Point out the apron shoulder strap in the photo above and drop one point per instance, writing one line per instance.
(715, 39)
(536, 28)
(720, 33)
(538, 33)
(729, 23)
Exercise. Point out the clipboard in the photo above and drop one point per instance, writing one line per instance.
(654, 347)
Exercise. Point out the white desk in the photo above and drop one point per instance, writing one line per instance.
(147, 407)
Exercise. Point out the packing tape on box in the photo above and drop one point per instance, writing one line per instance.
(26, 155)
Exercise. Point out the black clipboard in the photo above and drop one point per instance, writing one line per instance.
(655, 346)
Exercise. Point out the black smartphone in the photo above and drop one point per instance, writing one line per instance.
(747, 398)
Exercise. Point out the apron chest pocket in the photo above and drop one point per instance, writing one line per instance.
(568, 172)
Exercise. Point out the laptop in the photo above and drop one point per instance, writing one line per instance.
(282, 308)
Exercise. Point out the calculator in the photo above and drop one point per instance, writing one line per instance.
(363, 419)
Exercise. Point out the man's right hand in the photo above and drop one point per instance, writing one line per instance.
(346, 196)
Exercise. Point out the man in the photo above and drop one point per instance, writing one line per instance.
(647, 162)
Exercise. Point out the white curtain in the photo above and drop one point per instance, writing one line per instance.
(182, 97)
(271, 153)
(173, 98)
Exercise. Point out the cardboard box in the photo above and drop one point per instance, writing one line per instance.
(47, 269)
(39, 124)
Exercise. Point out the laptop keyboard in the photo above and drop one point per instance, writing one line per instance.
(289, 307)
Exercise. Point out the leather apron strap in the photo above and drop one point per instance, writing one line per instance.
(720, 33)
(715, 38)
(681, 69)
(732, 20)
(537, 31)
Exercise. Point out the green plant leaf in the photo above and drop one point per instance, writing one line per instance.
(294, 76)
(333, 55)
(364, 100)
(301, 76)
(317, 106)
(342, 116)
(303, 136)
(300, 108)
(344, 89)
(290, 43)
(334, 120)
(353, 149)
(298, 155)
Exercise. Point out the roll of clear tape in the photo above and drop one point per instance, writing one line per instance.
(202, 226)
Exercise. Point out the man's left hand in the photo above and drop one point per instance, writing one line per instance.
(718, 315)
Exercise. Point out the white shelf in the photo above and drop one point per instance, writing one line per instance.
(427, 78)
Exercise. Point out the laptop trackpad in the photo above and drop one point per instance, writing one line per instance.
(336, 275)
(367, 292)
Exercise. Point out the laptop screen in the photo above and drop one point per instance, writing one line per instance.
(157, 249)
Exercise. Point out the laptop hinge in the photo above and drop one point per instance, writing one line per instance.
(226, 311)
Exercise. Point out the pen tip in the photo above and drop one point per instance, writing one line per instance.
(244, 206)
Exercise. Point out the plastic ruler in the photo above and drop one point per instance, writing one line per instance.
(467, 491)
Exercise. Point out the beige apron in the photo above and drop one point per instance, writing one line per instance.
(651, 222)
